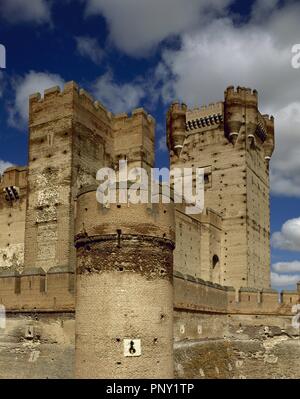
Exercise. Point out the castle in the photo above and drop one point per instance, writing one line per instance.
(142, 290)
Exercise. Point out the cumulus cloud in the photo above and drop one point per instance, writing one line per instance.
(289, 236)
(118, 97)
(88, 47)
(137, 26)
(248, 54)
(24, 86)
(286, 273)
(4, 165)
(287, 267)
(223, 54)
(285, 165)
(284, 280)
(18, 11)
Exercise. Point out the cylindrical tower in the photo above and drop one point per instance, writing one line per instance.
(234, 113)
(124, 298)
(176, 127)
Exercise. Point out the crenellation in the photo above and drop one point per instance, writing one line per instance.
(36, 290)
(205, 110)
(53, 91)
(86, 97)
(70, 93)
(245, 300)
(244, 93)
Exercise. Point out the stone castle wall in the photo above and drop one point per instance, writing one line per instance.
(13, 199)
(218, 333)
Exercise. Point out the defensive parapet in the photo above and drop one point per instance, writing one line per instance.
(196, 295)
(37, 291)
(266, 301)
(240, 95)
(70, 97)
(240, 108)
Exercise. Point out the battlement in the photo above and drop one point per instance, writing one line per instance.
(71, 95)
(205, 110)
(34, 290)
(194, 294)
(135, 114)
(87, 100)
(241, 95)
(266, 301)
(134, 137)
(37, 291)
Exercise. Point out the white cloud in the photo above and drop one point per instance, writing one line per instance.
(286, 273)
(284, 280)
(137, 26)
(88, 47)
(118, 97)
(31, 83)
(287, 267)
(222, 54)
(16, 11)
(252, 54)
(285, 165)
(289, 236)
(4, 165)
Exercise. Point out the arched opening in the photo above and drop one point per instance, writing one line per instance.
(216, 275)
(215, 261)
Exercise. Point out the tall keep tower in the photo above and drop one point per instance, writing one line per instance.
(70, 139)
(234, 143)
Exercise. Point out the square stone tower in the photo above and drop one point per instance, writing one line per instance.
(233, 142)
(70, 138)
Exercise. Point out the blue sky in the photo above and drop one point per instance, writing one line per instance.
(131, 53)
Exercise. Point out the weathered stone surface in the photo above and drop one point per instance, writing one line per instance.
(37, 346)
